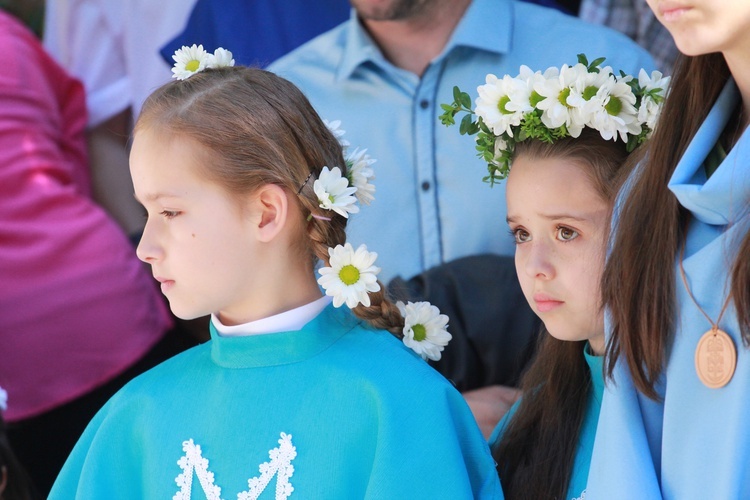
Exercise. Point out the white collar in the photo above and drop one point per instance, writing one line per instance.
(287, 321)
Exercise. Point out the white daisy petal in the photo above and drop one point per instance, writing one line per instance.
(425, 329)
(350, 276)
(189, 61)
(361, 175)
(334, 193)
(221, 58)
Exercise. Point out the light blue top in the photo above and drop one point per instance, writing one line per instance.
(431, 205)
(367, 417)
(696, 444)
(579, 475)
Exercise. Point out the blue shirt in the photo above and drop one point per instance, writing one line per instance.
(431, 205)
(367, 418)
(695, 443)
(582, 462)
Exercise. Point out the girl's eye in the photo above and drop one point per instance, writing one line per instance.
(566, 234)
(169, 214)
(520, 235)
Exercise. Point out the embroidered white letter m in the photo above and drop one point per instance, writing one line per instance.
(280, 465)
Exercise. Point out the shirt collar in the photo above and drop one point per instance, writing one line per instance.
(486, 25)
(720, 199)
(286, 321)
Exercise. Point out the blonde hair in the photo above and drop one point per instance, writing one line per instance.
(259, 129)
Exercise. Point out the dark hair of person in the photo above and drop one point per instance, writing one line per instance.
(537, 449)
(638, 285)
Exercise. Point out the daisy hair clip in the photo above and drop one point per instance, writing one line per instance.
(191, 60)
(557, 103)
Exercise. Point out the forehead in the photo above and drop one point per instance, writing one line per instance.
(551, 181)
(159, 160)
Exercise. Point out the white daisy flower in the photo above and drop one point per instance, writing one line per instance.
(557, 110)
(649, 110)
(494, 104)
(221, 58)
(351, 275)
(334, 193)
(583, 91)
(360, 175)
(189, 61)
(3, 399)
(425, 329)
(616, 113)
(335, 128)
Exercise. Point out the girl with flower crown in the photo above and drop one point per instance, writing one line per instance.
(560, 138)
(246, 189)
(677, 284)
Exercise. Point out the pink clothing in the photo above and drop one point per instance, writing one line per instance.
(76, 306)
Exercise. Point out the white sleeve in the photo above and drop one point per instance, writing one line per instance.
(84, 36)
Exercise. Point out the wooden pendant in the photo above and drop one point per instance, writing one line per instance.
(715, 358)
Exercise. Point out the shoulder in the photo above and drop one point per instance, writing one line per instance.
(321, 56)
(380, 361)
(554, 32)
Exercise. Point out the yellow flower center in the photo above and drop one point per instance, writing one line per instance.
(535, 98)
(331, 199)
(563, 97)
(504, 100)
(589, 92)
(420, 332)
(193, 65)
(614, 106)
(349, 274)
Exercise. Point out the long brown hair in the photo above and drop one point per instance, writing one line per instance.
(639, 281)
(536, 452)
(259, 129)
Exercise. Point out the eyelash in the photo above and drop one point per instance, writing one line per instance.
(515, 234)
(169, 214)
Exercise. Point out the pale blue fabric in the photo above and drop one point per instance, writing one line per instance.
(368, 418)
(582, 462)
(431, 205)
(696, 444)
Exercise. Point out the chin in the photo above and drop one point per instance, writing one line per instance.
(186, 313)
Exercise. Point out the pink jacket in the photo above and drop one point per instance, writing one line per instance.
(76, 306)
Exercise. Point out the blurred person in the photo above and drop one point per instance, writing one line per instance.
(79, 314)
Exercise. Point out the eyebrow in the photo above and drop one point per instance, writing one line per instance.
(509, 219)
(154, 197)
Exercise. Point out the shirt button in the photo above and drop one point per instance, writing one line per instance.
(426, 186)
(424, 104)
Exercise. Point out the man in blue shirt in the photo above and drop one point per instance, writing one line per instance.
(384, 74)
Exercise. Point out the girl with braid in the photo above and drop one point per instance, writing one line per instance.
(246, 190)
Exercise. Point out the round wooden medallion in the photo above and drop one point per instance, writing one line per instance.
(715, 358)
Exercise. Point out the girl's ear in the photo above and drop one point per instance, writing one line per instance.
(272, 204)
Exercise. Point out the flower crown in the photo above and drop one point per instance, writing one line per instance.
(352, 274)
(556, 104)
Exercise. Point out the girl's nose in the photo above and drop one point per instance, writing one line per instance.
(539, 262)
(148, 250)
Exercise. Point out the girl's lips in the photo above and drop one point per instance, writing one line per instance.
(545, 303)
(166, 284)
(671, 12)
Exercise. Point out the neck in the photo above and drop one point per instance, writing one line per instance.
(412, 43)
(741, 73)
